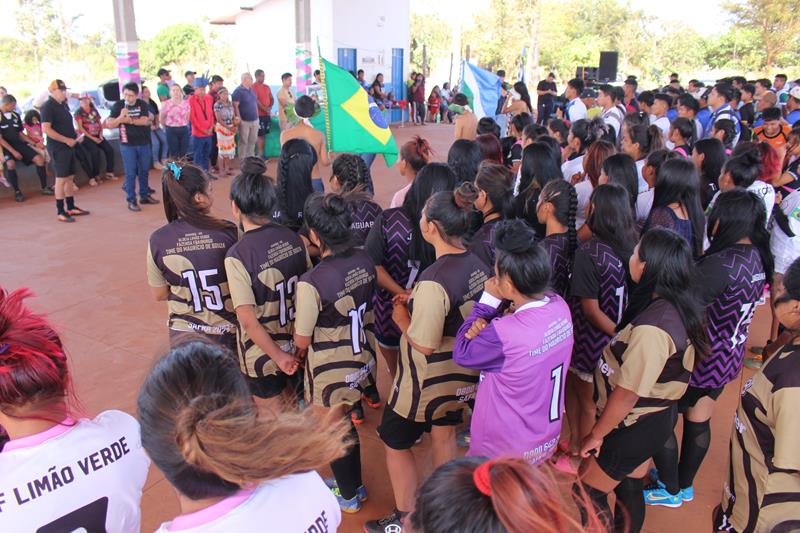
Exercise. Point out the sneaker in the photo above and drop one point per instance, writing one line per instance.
(663, 498)
(687, 494)
(755, 362)
(357, 414)
(148, 200)
(18, 197)
(361, 491)
(47, 191)
(133, 206)
(390, 524)
(150, 191)
(351, 506)
(372, 398)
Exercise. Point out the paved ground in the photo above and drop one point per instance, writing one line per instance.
(90, 278)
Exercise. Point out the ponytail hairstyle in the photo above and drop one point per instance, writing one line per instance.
(498, 496)
(739, 214)
(295, 165)
(520, 121)
(205, 433)
(540, 165)
(561, 194)
(728, 129)
(658, 158)
(669, 275)
(35, 381)
(498, 184)
(330, 216)
(611, 220)
(769, 163)
(416, 152)
(648, 138)
(677, 182)
(559, 127)
(491, 149)
(432, 179)
(686, 128)
(595, 156)
(253, 192)
(520, 258)
(179, 183)
(452, 212)
(621, 170)
(744, 168)
(525, 96)
(588, 131)
(352, 173)
(464, 157)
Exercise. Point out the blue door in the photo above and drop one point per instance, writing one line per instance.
(347, 59)
(398, 82)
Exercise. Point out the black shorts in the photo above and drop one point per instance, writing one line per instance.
(264, 124)
(694, 394)
(624, 450)
(63, 158)
(25, 151)
(400, 433)
(392, 343)
(268, 386)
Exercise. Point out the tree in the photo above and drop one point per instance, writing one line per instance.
(175, 44)
(39, 21)
(776, 22)
(434, 33)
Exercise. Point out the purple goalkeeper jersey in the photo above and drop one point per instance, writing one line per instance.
(731, 282)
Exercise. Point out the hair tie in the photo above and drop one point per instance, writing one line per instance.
(4, 348)
(482, 480)
(175, 169)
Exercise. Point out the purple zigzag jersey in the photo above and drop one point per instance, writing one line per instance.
(364, 216)
(395, 230)
(556, 247)
(741, 277)
(481, 244)
(598, 274)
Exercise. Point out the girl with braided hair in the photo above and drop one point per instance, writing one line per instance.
(295, 166)
(557, 210)
(493, 199)
(350, 173)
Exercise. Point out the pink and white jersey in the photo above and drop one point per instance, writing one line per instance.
(300, 503)
(86, 476)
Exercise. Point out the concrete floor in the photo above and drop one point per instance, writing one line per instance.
(89, 277)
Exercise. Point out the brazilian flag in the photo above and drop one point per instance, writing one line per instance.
(353, 121)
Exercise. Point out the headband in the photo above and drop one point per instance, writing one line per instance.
(482, 479)
(175, 169)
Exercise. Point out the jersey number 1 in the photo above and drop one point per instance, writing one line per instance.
(357, 336)
(214, 301)
(555, 400)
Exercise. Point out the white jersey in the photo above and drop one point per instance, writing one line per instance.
(85, 476)
(572, 167)
(643, 185)
(786, 249)
(761, 189)
(583, 191)
(644, 204)
(300, 503)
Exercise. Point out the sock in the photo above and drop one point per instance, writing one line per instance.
(70, 202)
(347, 470)
(11, 176)
(60, 207)
(696, 440)
(42, 172)
(629, 510)
(596, 498)
(666, 460)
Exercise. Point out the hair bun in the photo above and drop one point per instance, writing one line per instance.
(514, 236)
(465, 195)
(253, 166)
(334, 204)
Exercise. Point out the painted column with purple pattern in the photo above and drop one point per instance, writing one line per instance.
(303, 64)
(127, 63)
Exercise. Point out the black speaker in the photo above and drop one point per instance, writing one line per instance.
(586, 73)
(608, 66)
(111, 91)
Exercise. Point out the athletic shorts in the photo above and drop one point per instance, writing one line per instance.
(588, 377)
(388, 342)
(268, 386)
(400, 433)
(227, 341)
(694, 394)
(625, 449)
(264, 123)
(25, 150)
(63, 160)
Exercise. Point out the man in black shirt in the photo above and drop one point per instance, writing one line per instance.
(188, 89)
(546, 89)
(131, 116)
(16, 146)
(61, 139)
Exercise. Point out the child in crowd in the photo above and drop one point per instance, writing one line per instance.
(225, 126)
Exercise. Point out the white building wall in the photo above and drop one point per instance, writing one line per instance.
(265, 40)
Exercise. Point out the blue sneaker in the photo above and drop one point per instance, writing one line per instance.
(361, 492)
(687, 494)
(663, 498)
(351, 506)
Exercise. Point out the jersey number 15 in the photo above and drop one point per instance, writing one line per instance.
(212, 296)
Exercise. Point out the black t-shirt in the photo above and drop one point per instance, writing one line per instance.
(747, 113)
(10, 127)
(128, 133)
(188, 90)
(545, 85)
(152, 106)
(60, 119)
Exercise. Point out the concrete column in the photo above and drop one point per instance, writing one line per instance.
(127, 42)
(302, 30)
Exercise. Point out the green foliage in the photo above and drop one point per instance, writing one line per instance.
(433, 32)
(775, 22)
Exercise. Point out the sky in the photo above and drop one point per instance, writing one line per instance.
(153, 15)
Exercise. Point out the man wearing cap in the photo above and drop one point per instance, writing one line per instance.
(793, 106)
(201, 116)
(265, 101)
(589, 99)
(188, 89)
(132, 116)
(162, 90)
(61, 140)
(245, 106)
(16, 146)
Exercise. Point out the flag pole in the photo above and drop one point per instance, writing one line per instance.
(326, 107)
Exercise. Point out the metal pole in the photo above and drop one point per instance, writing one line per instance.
(127, 42)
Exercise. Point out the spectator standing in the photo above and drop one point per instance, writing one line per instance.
(175, 118)
(575, 109)
(225, 127)
(131, 115)
(500, 117)
(793, 106)
(245, 106)
(630, 100)
(162, 90)
(188, 89)
(16, 146)
(285, 97)
(264, 100)
(158, 137)
(201, 116)
(214, 86)
(304, 130)
(546, 89)
(93, 145)
(447, 96)
(61, 140)
(418, 90)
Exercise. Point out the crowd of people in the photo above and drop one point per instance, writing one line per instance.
(563, 290)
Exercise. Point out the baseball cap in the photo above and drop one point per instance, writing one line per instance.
(57, 85)
(795, 92)
(189, 73)
(162, 71)
(589, 93)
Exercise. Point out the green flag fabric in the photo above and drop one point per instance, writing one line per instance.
(272, 140)
(354, 123)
